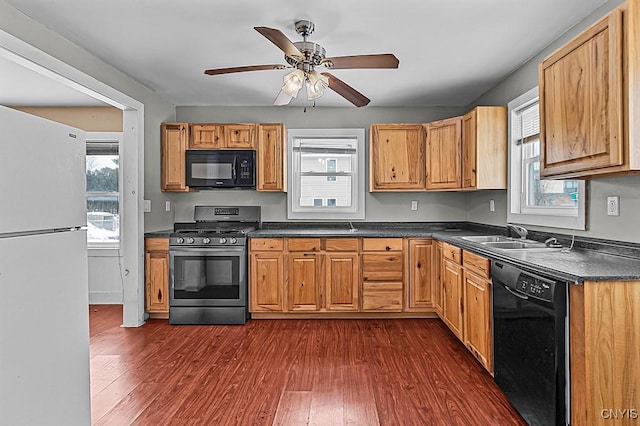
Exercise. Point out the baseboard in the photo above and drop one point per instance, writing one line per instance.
(105, 298)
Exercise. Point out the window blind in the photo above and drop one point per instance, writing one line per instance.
(527, 126)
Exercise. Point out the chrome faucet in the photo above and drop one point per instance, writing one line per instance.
(351, 227)
(520, 230)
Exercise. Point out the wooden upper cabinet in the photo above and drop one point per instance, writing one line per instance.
(444, 143)
(222, 136)
(206, 136)
(484, 148)
(421, 274)
(396, 157)
(582, 102)
(271, 158)
(240, 136)
(174, 139)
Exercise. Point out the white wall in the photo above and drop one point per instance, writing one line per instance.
(156, 109)
(380, 207)
(623, 227)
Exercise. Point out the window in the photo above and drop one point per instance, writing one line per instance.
(103, 189)
(326, 174)
(535, 201)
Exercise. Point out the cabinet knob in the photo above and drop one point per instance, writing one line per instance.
(387, 248)
(301, 284)
(419, 265)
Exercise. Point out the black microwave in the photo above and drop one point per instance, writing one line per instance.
(217, 168)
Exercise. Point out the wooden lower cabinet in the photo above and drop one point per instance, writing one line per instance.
(266, 281)
(477, 318)
(156, 274)
(382, 297)
(604, 339)
(437, 281)
(342, 279)
(452, 297)
(421, 275)
(304, 280)
(382, 275)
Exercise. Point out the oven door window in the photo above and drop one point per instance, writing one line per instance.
(204, 277)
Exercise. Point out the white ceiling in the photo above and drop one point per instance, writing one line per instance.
(450, 51)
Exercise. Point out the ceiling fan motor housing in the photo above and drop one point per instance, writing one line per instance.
(313, 55)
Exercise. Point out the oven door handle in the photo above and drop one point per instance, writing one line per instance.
(521, 296)
(209, 251)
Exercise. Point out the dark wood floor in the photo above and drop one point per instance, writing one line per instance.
(288, 372)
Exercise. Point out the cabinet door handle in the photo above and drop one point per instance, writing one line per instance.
(159, 294)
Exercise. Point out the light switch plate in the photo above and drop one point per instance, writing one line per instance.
(492, 205)
(414, 204)
(167, 206)
(613, 206)
(147, 206)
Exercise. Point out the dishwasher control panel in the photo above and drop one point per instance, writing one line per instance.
(536, 287)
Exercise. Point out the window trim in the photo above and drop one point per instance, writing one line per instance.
(109, 137)
(358, 192)
(550, 217)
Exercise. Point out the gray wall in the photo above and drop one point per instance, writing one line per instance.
(599, 225)
(380, 207)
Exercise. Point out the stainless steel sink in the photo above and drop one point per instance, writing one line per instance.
(486, 238)
(500, 242)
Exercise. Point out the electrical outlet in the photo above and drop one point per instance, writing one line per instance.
(167, 206)
(613, 206)
(147, 206)
(492, 205)
(414, 204)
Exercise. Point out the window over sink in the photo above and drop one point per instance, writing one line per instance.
(535, 201)
(326, 174)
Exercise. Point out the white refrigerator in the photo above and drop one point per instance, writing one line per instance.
(44, 318)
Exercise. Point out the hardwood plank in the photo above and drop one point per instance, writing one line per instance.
(352, 372)
(293, 408)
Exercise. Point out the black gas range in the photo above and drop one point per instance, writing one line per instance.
(208, 265)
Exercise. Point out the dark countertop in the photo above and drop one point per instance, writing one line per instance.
(585, 262)
(158, 234)
(576, 265)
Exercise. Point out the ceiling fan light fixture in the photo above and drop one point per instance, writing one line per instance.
(316, 85)
(282, 99)
(293, 82)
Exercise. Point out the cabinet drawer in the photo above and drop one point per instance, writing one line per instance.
(381, 244)
(478, 264)
(382, 267)
(156, 244)
(451, 252)
(341, 244)
(382, 296)
(303, 244)
(266, 244)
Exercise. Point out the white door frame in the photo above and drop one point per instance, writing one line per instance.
(132, 157)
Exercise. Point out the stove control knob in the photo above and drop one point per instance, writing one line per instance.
(191, 240)
(223, 240)
(180, 240)
(233, 240)
(206, 240)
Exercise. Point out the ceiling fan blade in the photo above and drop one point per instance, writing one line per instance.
(385, 60)
(217, 71)
(276, 37)
(346, 91)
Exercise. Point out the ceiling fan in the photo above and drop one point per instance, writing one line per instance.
(304, 56)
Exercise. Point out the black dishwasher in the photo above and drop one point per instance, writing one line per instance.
(529, 343)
